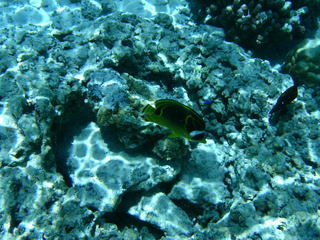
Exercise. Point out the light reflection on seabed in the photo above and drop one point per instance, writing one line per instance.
(149, 8)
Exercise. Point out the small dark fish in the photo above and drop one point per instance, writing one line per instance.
(182, 120)
(285, 98)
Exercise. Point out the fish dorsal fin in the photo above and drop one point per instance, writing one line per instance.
(173, 135)
(165, 102)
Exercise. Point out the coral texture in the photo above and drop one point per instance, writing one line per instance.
(256, 24)
(78, 161)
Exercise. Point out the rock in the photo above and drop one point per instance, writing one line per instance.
(159, 210)
(202, 179)
(101, 177)
(78, 161)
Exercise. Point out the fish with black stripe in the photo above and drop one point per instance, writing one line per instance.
(182, 120)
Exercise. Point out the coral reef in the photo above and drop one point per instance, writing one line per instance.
(77, 160)
(257, 24)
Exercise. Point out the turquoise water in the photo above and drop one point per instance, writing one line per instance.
(79, 161)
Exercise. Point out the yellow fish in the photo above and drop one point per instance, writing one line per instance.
(182, 120)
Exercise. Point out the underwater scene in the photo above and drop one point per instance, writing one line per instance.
(159, 119)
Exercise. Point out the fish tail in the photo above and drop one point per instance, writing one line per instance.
(148, 111)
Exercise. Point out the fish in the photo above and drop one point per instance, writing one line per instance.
(182, 120)
(285, 98)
